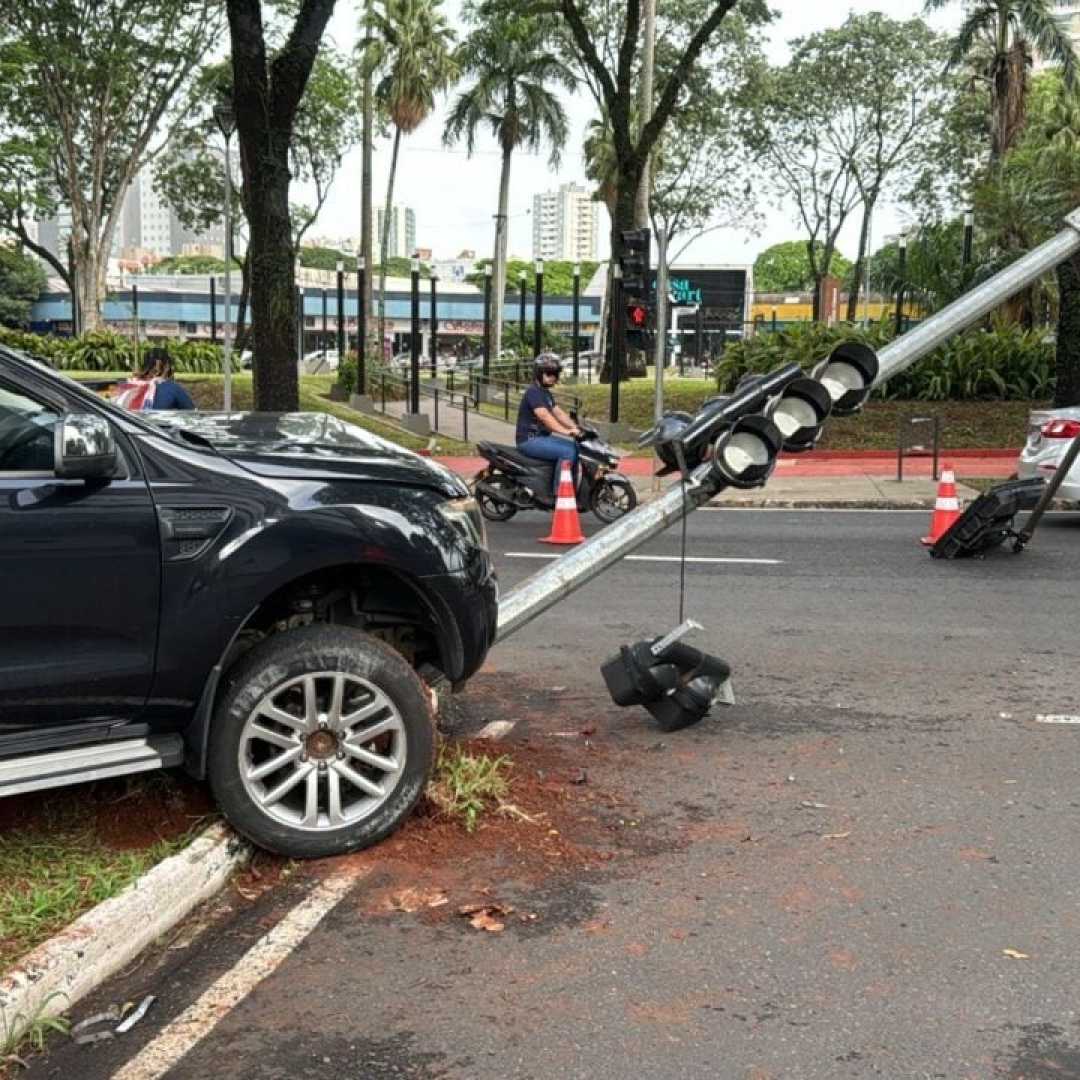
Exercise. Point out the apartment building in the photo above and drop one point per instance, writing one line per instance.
(565, 224)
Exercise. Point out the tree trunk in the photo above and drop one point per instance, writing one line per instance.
(1067, 358)
(498, 278)
(366, 231)
(858, 272)
(384, 241)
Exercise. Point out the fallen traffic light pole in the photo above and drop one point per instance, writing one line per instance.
(741, 431)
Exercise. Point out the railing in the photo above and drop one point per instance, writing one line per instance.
(451, 402)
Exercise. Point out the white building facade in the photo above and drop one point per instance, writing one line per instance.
(565, 224)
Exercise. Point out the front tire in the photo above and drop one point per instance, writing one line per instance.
(496, 509)
(612, 498)
(322, 742)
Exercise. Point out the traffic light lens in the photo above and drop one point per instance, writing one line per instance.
(637, 316)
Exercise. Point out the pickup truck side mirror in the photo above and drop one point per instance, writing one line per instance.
(84, 448)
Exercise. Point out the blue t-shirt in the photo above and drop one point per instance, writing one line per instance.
(171, 395)
(536, 397)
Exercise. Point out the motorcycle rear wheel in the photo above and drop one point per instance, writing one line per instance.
(495, 509)
(612, 498)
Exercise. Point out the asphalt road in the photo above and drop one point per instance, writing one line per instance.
(867, 866)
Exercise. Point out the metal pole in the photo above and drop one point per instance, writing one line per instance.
(538, 310)
(434, 343)
(299, 313)
(226, 321)
(414, 344)
(969, 225)
(660, 351)
(361, 327)
(213, 310)
(135, 317)
(972, 306)
(618, 341)
(485, 370)
(901, 268)
(521, 309)
(325, 325)
(340, 310)
(576, 331)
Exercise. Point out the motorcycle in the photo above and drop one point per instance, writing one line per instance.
(513, 481)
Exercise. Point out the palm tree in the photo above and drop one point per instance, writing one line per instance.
(409, 49)
(995, 40)
(512, 95)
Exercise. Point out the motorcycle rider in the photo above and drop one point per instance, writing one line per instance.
(544, 430)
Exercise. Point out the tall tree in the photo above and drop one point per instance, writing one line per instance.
(191, 179)
(840, 122)
(512, 74)
(995, 43)
(88, 93)
(266, 92)
(605, 37)
(21, 282)
(409, 48)
(1024, 202)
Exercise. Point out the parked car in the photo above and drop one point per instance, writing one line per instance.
(320, 360)
(264, 599)
(1050, 432)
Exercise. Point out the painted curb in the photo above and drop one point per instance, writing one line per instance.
(54, 976)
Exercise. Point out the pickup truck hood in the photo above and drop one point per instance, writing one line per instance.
(294, 445)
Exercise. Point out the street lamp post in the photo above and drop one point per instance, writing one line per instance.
(340, 311)
(485, 370)
(538, 310)
(969, 225)
(225, 118)
(414, 345)
(433, 344)
(299, 313)
(577, 317)
(361, 325)
(521, 308)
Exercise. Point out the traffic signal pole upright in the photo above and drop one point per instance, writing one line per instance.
(630, 304)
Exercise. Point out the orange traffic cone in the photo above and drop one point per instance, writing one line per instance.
(565, 524)
(946, 506)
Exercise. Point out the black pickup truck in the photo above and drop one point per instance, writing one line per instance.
(265, 599)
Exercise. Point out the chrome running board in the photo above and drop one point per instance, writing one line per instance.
(35, 772)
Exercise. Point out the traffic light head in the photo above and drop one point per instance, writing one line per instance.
(848, 375)
(634, 259)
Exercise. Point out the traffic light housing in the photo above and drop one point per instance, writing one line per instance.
(637, 325)
(635, 256)
(741, 434)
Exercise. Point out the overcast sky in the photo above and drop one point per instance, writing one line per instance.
(454, 196)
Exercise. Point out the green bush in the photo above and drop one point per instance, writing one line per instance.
(1001, 363)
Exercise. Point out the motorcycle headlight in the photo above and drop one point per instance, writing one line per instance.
(464, 514)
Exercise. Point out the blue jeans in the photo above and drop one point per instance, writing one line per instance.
(557, 448)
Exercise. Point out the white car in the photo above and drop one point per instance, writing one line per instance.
(320, 360)
(1050, 433)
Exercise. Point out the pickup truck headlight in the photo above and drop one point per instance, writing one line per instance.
(464, 514)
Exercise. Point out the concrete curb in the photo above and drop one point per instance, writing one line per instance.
(53, 977)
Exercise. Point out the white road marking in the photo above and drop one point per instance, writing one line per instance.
(181, 1035)
(651, 558)
(1056, 718)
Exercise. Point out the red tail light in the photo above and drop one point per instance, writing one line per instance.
(1061, 429)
